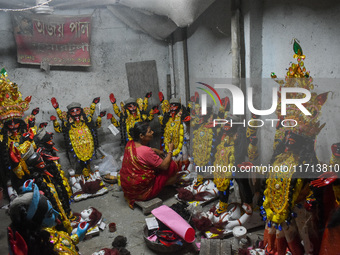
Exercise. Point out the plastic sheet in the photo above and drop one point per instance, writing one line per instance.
(175, 222)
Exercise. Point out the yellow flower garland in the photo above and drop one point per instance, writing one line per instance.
(278, 188)
(175, 134)
(202, 142)
(225, 156)
(82, 141)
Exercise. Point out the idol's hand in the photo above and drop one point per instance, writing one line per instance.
(109, 116)
(35, 111)
(324, 180)
(43, 124)
(155, 109)
(81, 230)
(160, 96)
(54, 102)
(148, 95)
(102, 114)
(96, 100)
(17, 244)
(112, 98)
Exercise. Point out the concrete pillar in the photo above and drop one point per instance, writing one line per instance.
(179, 73)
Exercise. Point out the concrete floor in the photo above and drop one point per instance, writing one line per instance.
(129, 223)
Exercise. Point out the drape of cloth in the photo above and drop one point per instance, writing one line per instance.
(158, 19)
(161, 179)
(140, 181)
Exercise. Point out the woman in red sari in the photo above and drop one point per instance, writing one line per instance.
(145, 171)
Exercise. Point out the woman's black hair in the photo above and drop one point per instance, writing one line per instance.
(139, 128)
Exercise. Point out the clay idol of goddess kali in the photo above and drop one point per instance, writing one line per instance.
(174, 122)
(285, 209)
(14, 131)
(80, 135)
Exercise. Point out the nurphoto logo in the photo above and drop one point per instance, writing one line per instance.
(238, 104)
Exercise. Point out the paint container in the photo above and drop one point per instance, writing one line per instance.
(112, 227)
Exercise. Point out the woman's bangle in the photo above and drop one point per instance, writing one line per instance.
(170, 151)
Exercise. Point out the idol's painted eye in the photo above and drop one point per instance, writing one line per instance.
(75, 111)
(13, 126)
(173, 107)
(131, 107)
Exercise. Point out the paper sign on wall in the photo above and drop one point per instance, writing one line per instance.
(52, 39)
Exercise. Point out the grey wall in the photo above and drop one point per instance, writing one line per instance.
(316, 25)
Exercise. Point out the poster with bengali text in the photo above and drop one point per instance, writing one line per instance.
(52, 39)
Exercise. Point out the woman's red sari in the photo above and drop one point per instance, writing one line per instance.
(141, 182)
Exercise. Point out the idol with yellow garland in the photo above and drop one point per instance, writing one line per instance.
(195, 110)
(174, 122)
(33, 226)
(80, 136)
(15, 131)
(201, 189)
(132, 111)
(232, 145)
(80, 131)
(288, 223)
(44, 140)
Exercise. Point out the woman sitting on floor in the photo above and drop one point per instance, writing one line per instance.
(145, 171)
